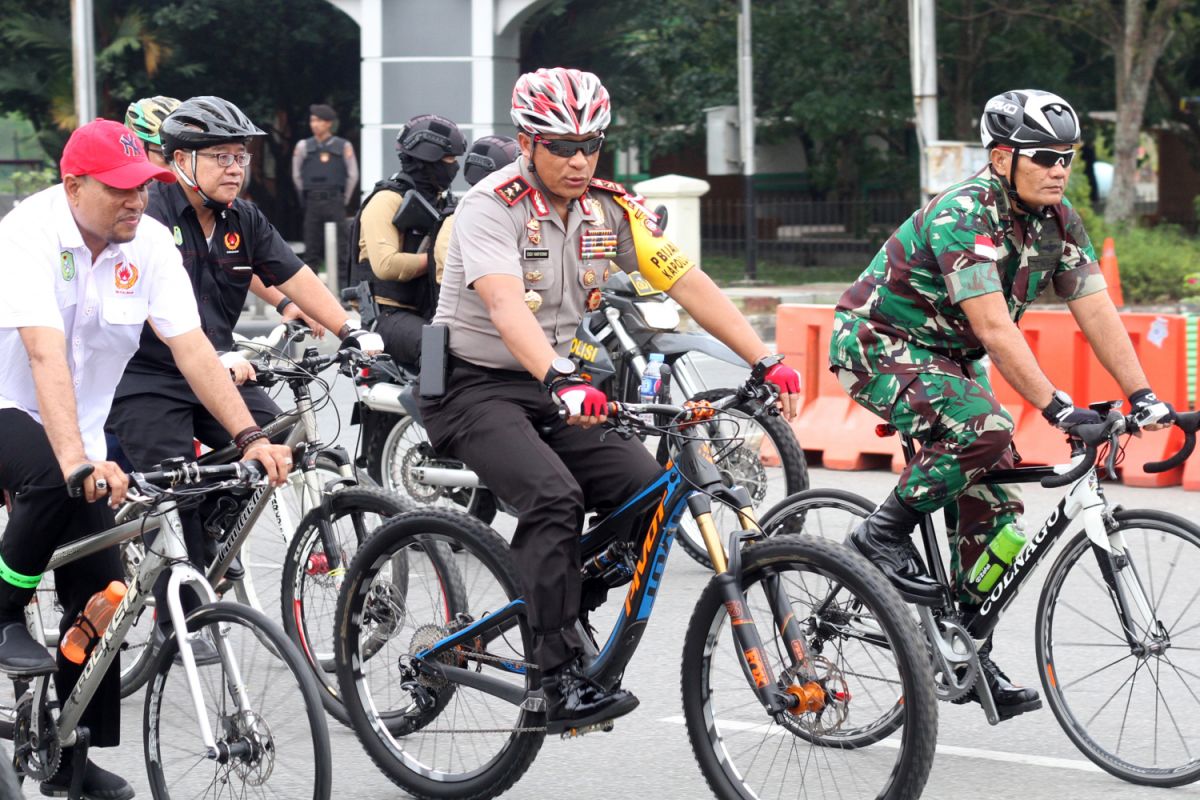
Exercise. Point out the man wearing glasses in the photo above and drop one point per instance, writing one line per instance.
(948, 288)
(224, 241)
(531, 245)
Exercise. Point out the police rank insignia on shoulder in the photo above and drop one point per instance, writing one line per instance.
(609, 186)
(512, 192)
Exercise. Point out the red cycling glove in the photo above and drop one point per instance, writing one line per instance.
(580, 399)
(783, 376)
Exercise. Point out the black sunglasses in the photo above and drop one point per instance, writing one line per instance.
(565, 148)
(1048, 157)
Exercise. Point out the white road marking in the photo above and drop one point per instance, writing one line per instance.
(949, 750)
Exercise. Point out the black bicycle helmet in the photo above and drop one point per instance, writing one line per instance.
(1028, 118)
(488, 154)
(204, 122)
(428, 137)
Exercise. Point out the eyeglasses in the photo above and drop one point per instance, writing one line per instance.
(565, 148)
(1048, 157)
(228, 159)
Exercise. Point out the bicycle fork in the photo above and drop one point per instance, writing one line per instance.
(1144, 632)
(752, 653)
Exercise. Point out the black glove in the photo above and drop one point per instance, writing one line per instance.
(1149, 410)
(1063, 414)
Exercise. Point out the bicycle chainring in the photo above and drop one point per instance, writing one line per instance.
(959, 686)
(38, 760)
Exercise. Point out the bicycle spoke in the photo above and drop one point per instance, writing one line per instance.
(1089, 618)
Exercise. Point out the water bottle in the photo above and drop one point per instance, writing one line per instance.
(651, 382)
(997, 557)
(92, 622)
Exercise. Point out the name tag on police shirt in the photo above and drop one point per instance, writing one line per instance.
(535, 252)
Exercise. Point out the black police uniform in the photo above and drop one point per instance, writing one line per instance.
(323, 175)
(155, 414)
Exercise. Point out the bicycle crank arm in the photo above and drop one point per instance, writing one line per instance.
(441, 476)
(941, 636)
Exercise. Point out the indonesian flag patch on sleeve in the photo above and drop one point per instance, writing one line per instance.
(985, 247)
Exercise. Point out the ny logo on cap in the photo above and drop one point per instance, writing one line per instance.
(130, 143)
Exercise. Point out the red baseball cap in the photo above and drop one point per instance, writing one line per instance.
(110, 153)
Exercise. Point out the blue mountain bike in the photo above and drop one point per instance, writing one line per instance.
(435, 672)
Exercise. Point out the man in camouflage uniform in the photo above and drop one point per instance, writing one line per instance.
(947, 288)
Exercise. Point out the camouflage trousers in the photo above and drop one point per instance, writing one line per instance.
(963, 431)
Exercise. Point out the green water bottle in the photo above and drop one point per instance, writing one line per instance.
(995, 559)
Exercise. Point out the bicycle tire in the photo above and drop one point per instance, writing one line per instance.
(791, 514)
(707, 640)
(299, 573)
(275, 720)
(1072, 702)
(782, 439)
(377, 700)
(385, 453)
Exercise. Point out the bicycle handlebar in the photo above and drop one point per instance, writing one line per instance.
(243, 472)
(1091, 436)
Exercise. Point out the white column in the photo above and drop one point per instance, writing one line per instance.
(370, 159)
(681, 196)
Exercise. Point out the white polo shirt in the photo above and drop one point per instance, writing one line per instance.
(48, 279)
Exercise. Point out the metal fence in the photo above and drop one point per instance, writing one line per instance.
(800, 231)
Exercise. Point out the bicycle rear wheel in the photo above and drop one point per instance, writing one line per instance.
(277, 747)
(1131, 709)
(437, 734)
(870, 661)
(826, 513)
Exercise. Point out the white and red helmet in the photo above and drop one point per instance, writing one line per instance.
(560, 101)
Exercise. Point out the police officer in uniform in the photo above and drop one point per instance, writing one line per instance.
(224, 240)
(84, 271)
(325, 173)
(396, 261)
(530, 248)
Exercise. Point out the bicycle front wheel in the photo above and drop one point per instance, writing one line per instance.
(863, 657)
(263, 707)
(1127, 698)
(313, 571)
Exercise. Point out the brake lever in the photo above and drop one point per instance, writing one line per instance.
(1110, 463)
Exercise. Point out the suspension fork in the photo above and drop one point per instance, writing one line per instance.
(751, 650)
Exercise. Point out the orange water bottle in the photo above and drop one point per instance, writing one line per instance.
(92, 622)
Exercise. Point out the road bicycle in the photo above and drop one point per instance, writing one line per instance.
(249, 723)
(1118, 621)
(435, 670)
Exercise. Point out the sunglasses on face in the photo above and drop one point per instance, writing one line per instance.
(1048, 157)
(565, 148)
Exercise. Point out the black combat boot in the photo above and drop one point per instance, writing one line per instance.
(1010, 700)
(98, 783)
(574, 701)
(885, 538)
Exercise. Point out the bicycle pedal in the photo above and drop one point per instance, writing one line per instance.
(599, 727)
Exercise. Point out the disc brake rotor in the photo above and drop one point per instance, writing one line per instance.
(743, 467)
(251, 729)
(421, 492)
(822, 702)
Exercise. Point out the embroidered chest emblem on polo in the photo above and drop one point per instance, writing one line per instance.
(67, 262)
(232, 240)
(125, 275)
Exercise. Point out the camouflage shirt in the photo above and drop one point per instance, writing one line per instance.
(902, 315)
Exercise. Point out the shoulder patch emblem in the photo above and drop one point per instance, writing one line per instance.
(609, 186)
(512, 192)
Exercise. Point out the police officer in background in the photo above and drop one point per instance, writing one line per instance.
(393, 255)
(325, 173)
(531, 245)
(487, 154)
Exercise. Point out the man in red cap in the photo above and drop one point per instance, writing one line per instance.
(83, 270)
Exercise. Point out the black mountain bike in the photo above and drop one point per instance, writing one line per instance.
(435, 671)
(1118, 622)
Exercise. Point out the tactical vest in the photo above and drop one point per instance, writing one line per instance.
(324, 165)
(421, 292)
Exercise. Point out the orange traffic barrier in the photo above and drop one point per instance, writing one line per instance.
(829, 422)
(1068, 361)
(1111, 273)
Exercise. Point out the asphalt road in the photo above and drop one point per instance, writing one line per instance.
(648, 753)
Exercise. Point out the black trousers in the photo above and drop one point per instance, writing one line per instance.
(401, 332)
(319, 208)
(153, 427)
(492, 420)
(43, 517)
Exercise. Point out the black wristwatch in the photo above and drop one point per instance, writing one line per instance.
(1060, 401)
(282, 304)
(761, 367)
(559, 368)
